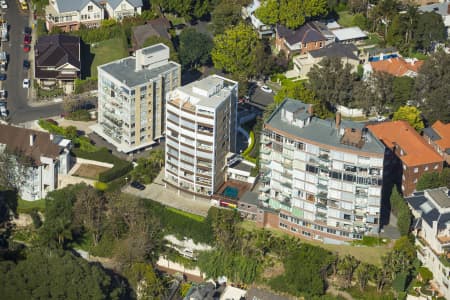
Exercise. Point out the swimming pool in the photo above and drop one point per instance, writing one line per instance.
(384, 57)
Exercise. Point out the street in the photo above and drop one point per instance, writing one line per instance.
(19, 108)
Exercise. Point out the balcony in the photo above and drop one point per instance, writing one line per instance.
(321, 205)
(324, 157)
(287, 184)
(322, 195)
(265, 179)
(322, 187)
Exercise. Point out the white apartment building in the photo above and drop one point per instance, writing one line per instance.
(201, 128)
(132, 95)
(322, 177)
(47, 155)
(431, 209)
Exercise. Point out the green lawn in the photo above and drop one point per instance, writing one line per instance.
(105, 52)
(371, 255)
(374, 39)
(27, 206)
(186, 214)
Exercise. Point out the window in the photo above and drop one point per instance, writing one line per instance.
(426, 168)
(416, 170)
(404, 167)
(332, 231)
(436, 167)
(306, 233)
(282, 225)
(90, 8)
(293, 229)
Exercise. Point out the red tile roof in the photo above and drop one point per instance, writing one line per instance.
(396, 66)
(399, 133)
(444, 132)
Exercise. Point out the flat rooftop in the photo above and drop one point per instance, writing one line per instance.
(322, 131)
(124, 70)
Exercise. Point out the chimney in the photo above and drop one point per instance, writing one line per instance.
(338, 119)
(32, 137)
(311, 109)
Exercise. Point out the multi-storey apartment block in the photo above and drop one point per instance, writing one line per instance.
(431, 209)
(323, 178)
(47, 156)
(132, 94)
(200, 132)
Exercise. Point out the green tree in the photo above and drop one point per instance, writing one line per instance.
(195, 48)
(400, 209)
(156, 40)
(425, 274)
(226, 14)
(434, 180)
(362, 274)
(55, 274)
(411, 114)
(269, 12)
(144, 278)
(403, 88)
(234, 50)
(430, 92)
(346, 266)
(430, 28)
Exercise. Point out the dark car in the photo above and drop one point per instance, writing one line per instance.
(27, 30)
(26, 64)
(137, 185)
(27, 39)
(26, 48)
(2, 76)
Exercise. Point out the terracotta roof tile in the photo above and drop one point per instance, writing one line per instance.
(400, 133)
(396, 66)
(444, 132)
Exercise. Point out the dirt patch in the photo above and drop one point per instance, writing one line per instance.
(23, 220)
(273, 271)
(89, 171)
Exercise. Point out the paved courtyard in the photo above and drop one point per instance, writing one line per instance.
(168, 196)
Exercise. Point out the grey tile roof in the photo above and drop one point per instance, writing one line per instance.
(250, 198)
(304, 34)
(72, 5)
(134, 3)
(323, 131)
(429, 211)
(433, 135)
(439, 8)
(124, 70)
(157, 27)
(336, 50)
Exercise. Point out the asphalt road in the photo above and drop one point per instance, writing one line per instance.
(18, 104)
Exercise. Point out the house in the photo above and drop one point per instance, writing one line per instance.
(57, 61)
(322, 179)
(49, 156)
(442, 9)
(300, 41)
(132, 97)
(396, 66)
(119, 9)
(68, 15)
(348, 54)
(431, 210)
(248, 12)
(438, 136)
(407, 152)
(158, 27)
(201, 129)
(349, 35)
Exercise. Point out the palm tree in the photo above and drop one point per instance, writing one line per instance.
(411, 20)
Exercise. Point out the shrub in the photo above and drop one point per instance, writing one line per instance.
(101, 186)
(85, 85)
(79, 115)
(37, 222)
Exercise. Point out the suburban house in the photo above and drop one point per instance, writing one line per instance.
(438, 136)
(201, 129)
(300, 41)
(69, 14)
(431, 210)
(248, 12)
(119, 9)
(407, 152)
(349, 35)
(48, 156)
(57, 61)
(132, 98)
(348, 54)
(396, 66)
(321, 179)
(158, 27)
(442, 9)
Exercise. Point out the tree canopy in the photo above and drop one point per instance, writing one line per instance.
(195, 48)
(411, 114)
(291, 13)
(434, 180)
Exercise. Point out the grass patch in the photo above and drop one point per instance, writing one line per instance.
(418, 55)
(345, 19)
(186, 214)
(26, 235)
(374, 39)
(371, 255)
(107, 51)
(26, 207)
(370, 241)
(90, 171)
(175, 20)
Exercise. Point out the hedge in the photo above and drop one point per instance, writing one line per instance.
(120, 168)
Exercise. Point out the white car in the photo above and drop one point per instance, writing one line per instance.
(266, 89)
(3, 111)
(26, 83)
(3, 4)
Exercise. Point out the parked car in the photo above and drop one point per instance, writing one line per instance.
(27, 39)
(137, 185)
(26, 48)
(3, 4)
(3, 95)
(26, 64)
(26, 83)
(266, 89)
(3, 111)
(27, 30)
(2, 76)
